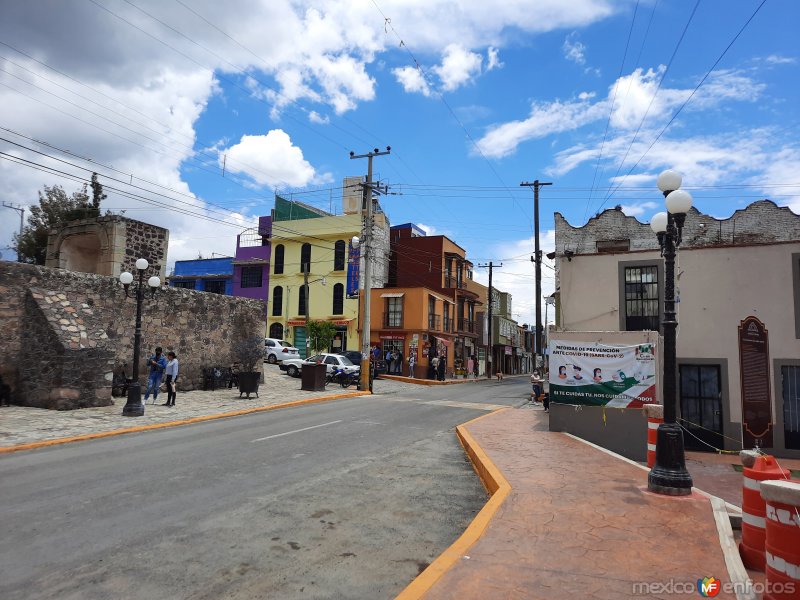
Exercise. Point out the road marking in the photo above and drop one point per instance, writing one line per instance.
(269, 437)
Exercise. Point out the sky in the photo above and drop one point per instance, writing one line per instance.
(195, 113)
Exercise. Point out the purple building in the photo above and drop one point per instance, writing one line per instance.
(251, 263)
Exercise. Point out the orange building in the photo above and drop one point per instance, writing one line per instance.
(412, 321)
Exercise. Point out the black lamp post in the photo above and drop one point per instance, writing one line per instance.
(134, 407)
(669, 475)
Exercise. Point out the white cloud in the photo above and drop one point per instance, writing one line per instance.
(428, 229)
(458, 67)
(638, 209)
(412, 80)
(775, 59)
(493, 59)
(270, 160)
(315, 117)
(573, 49)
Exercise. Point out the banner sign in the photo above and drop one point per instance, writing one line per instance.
(353, 269)
(754, 373)
(601, 374)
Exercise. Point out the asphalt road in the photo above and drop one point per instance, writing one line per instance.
(344, 499)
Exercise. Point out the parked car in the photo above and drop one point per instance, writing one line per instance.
(355, 358)
(277, 350)
(293, 366)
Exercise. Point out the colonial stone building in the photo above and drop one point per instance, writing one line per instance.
(738, 291)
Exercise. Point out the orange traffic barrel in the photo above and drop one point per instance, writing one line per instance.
(783, 539)
(655, 416)
(757, 468)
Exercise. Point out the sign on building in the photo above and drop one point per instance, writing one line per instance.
(754, 374)
(353, 268)
(602, 374)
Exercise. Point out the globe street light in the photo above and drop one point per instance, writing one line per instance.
(669, 475)
(133, 406)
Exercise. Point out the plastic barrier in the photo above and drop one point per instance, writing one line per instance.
(655, 416)
(783, 539)
(757, 468)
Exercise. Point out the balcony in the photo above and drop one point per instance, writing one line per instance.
(453, 282)
(393, 320)
(448, 324)
(435, 322)
(466, 325)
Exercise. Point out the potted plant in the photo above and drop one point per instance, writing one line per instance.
(249, 352)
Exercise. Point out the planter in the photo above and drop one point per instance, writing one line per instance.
(312, 377)
(248, 383)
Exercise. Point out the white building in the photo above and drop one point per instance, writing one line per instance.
(732, 389)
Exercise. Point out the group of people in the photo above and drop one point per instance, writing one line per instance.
(161, 366)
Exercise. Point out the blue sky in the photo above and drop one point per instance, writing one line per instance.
(472, 98)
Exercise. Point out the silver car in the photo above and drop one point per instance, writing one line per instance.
(276, 350)
(331, 362)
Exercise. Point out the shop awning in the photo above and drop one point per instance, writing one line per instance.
(393, 295)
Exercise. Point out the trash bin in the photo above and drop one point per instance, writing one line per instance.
(312, 377)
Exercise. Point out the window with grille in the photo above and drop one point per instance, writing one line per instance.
(394, 312)
(252, 277)
(187, 285)
(305, 258)
(338, 255)
(301, 301)
(338, 299)
(277, 259)
(277, 302)
(215, 286)
(641, 298)
(276, 331)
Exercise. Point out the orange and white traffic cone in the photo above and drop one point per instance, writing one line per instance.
(757, 468)
(783, 539)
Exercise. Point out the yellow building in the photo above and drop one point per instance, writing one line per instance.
(312, 245)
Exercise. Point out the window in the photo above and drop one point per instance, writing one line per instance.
(790, 387)
(305, 258)
(187, 285)
(277, 304)
(301, 301)
(641, 298)
(277, 259)
(338, 299)
(276, 331)
(252, 277)
(338, 256)
(215, 286)
(394, 312)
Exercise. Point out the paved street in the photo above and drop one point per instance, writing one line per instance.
(344, 499)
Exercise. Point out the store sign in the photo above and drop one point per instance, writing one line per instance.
(601, 374)
(393, 337)
(754, 376)
(353, 270)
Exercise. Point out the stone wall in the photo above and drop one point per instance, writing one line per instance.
(74, 328)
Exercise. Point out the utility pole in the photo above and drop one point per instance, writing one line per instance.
(308, 295)
(365, 244)
(538, 261)
(21, 211)
(489, 360)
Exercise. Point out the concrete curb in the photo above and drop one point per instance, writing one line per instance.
(236, 413)
(498, 488)
(417, 381)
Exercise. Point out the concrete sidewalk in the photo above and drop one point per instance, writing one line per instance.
(577, 523)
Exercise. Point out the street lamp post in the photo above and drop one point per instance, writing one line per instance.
(669, 475)
(133, 406)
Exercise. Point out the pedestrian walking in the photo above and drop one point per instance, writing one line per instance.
(399, 364)
(475, 366)
(412, 361)
(441, 367)
(470, 366)
(433, 372)
(157, 364)
(171, 373)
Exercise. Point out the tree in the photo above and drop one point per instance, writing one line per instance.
(320, 335)
(54, 211)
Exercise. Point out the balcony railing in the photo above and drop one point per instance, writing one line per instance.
(434, 322)
(466, 325)
(448, 324)
(393, 320)
(451, 281)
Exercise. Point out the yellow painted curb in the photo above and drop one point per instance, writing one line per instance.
(418, 381)
(495, 484)
(236, 413)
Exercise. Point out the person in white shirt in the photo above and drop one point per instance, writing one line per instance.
(172, 378)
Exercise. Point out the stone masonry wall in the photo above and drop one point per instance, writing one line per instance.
(198, 326)
(761, 222)
(145, 241)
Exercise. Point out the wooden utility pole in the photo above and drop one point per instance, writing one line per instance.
(538, 262)
(489, 354)
(365, 252)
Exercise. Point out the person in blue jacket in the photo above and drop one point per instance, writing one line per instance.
(157, 364)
